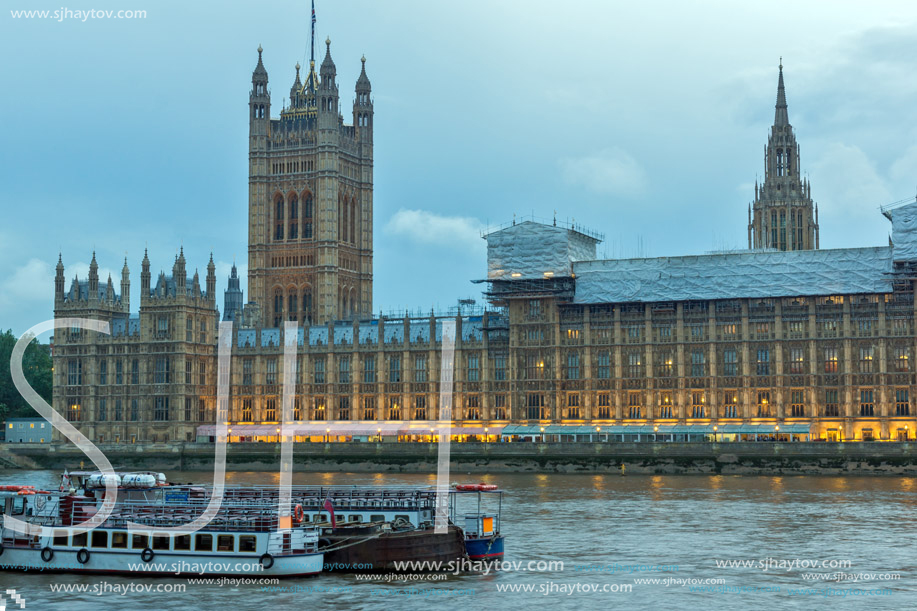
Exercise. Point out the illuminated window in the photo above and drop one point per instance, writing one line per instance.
(797, 360)
(665, 405)
(764, 404)
(866, 357)
(698, 404)
(830, 360)
(573, 410)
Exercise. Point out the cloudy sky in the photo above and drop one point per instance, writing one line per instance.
(645, 121)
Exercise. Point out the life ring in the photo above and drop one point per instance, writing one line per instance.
(466, 487)
(298, 514)
(267, 561)
(82, 556)
(147, 555)
(487, 487)
(47, 554)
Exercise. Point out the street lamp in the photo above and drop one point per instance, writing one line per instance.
(327, 435)
(714, 433)
(485, 434)
(542, 435)
(379, 434)
(278, 434)
(776, 432)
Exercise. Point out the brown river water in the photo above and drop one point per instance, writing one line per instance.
(629, 542)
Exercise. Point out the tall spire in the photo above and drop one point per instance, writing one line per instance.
(780, 116)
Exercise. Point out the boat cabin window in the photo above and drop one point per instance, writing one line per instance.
(356, 518)
(18, 506)
(182, 543)
(226, 543)
(100, 538)
(161, 542)
(60, 538)
(203, 543)
(119, 540)
(80, 540)
(246, 543)
(140, 542)
(377, 518)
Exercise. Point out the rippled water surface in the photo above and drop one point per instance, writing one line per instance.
(671, 528)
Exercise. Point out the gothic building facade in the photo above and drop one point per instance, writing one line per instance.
(780, 337)
(310, 199)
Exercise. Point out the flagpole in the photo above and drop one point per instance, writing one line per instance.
(313, 33)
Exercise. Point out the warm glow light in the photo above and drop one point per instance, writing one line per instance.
(776, 428)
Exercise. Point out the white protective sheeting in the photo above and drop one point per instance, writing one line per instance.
(735, 276)
(530, 250)
(904, 232)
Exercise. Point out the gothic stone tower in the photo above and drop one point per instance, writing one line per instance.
(310, 200)
(782, 216)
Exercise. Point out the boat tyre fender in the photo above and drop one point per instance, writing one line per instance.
(147, 555)
(267, 561)
(323, 542)
(82, 556)
(1, 549)
(47, 554)
(298, 514)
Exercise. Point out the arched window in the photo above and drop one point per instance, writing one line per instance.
(278, 219)
(789, 165)
(294, 216)
(293, 305)
(307, 216)
(278, 307)
(779, 162)
(353, 221)
(307, 305)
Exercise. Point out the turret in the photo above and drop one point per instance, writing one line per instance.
(232, 298)
(296, 89)
(363, 105)
(196, 286)
(145, 275)
(110, 291)
(125, 287)
(259, 101)
(59, 279)
(211, 279)
(93, 278)
(328, 90)
(178, 273)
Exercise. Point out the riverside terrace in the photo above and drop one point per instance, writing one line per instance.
(422, 433)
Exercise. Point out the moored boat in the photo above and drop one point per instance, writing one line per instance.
(238, 540)
(482, 527)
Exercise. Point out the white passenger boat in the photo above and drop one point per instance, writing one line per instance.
(242, 539)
